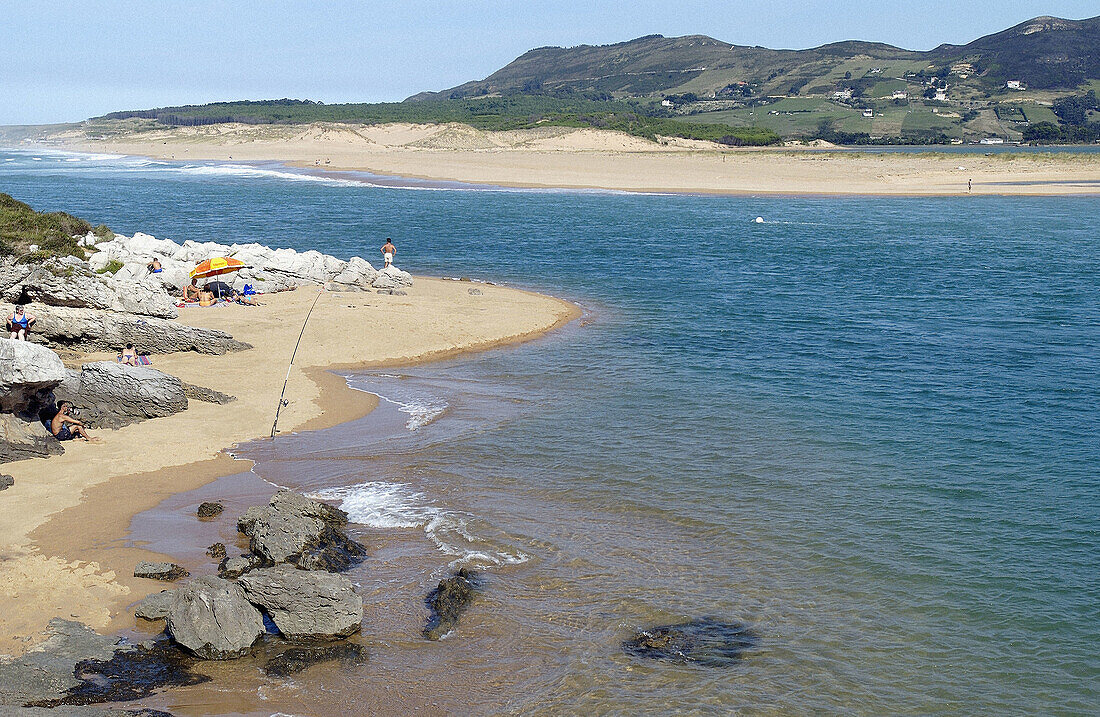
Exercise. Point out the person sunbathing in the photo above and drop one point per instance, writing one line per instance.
(206, 298)
(191, 292)
(64, 427)
(129, 356)
(239, 298)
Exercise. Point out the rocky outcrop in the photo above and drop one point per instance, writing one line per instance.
(26, 370)
(235, 567)
(307, 533)
(97, 330)
(216, 551)
(22, 438)
(107, 394)
(6, 481)
(71, 282)
(705, 641)
(305, 605)
(266, 269)
(155, 605)
(168, 572)
(206, 395)
(212, 619)
(448, 601)
(392, 278)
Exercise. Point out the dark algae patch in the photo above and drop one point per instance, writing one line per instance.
(128, 675)
(705, 641)
(448, 601)
(295, 659)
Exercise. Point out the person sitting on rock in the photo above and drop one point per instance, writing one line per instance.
(192, 291)
(129, 356)
(19, 323)
(64, 427)
(155, 267)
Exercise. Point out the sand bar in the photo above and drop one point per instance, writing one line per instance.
(596, 159)
(62, 540)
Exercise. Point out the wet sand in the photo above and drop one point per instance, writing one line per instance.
(559, 157)
(62, 543)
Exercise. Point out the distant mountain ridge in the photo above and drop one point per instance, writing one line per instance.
(1043, 53)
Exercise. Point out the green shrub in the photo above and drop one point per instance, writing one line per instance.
(112, 267)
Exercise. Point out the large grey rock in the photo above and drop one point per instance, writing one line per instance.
(295, 529)
(211, 619)
(96, 330)
(107, 394)
(77, 286)
(392, 278)
(304, 604)
(155, 605)
(22, 438)
(26, 369)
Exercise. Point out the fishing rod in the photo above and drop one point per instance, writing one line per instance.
(283, 401)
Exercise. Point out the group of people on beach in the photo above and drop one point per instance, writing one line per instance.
(205, 296)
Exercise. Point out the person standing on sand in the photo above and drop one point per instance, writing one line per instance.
(388, 250)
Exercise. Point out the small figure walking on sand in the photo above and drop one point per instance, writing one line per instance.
(388, 250)
(969, 185)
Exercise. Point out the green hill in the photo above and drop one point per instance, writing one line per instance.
(1030, 82)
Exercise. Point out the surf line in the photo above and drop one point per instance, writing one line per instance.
(282, 400)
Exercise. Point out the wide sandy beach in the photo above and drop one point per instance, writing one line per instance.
(63, 550)
(596, 159)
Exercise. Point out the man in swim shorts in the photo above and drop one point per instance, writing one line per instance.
(388, 250)
(64, 427)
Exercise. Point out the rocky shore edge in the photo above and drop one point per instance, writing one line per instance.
(112, 298)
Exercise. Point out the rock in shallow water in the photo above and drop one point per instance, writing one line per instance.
(704, 641)
(212, 619)
(130, 674)
(298, 530)
(216, 551)
(448, 601)
(305, 604)
(210, 509)
(159, 571)
(296, 659)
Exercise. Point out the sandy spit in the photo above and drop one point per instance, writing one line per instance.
(597, 159)
(63, 548)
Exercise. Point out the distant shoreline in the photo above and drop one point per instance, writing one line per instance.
(589, 159)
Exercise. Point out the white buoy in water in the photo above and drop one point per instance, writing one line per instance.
(760, 220)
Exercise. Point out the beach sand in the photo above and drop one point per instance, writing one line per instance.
(63, 548)
(597, 159)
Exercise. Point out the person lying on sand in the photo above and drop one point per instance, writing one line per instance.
(19, 323)
(191, 291)
(64, 427)
(207, 298)
(388, 250)
(239, 298)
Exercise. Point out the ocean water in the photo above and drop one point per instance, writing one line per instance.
(866, 427)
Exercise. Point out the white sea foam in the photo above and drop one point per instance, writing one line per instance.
(421, 411)
(396, 505)
(232, 170)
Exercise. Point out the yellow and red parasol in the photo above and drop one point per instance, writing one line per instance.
(215, 267)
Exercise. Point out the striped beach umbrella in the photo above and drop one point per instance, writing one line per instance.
(215, 267)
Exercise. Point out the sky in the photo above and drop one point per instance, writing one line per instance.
(67, 61)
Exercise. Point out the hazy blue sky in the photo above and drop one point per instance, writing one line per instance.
(65, 61)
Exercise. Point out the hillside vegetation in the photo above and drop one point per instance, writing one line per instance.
(1027, 83)
(22, 228)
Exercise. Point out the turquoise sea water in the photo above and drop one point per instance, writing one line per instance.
(867, 427)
